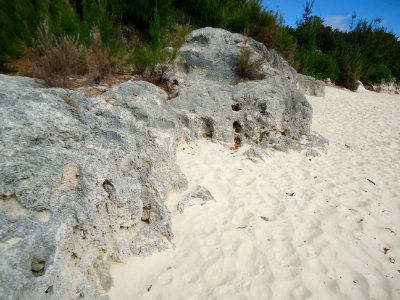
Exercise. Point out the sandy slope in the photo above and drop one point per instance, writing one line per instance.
(325, 242)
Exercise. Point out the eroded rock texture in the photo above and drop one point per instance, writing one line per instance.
(213, 102)
(83, 180)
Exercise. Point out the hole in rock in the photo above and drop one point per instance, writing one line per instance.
(207, 127)
(146, 213)
(109, 187)
(235, 107)
(285, 132)
(262, 107)
(237, 127)
(37, 267)
(49, 290)
(236, 143)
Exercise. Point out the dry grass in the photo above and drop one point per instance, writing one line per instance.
(248, 68)
(61, 61)
(100, 62)
(68, 100)
(64, 61)
(26, 65)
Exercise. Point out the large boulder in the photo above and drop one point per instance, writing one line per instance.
(310, 86)
(83, 182)
(212, 100)
(213, 54)
(269, 113)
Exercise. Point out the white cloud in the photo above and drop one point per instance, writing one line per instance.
(340, 22)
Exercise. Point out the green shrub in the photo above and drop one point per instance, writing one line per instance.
(19, 20)
(100, 62)
(248, 68)
(317, 64)
(157, 57)
(379, 72)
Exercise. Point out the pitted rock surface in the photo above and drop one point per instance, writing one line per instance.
(83, 180)
(76, 182)
(212, 54)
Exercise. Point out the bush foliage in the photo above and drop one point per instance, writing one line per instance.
(146, 34)
(366, 51)
(250, 68)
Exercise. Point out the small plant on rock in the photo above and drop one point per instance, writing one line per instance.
(100, 62)
(248, 68)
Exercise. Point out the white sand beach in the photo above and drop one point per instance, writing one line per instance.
(289, 226)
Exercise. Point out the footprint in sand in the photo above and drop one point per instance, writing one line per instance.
(166, 278)
(190, 277)
(242, 216)
(213, 240)
(247, 259)
(301, 292)
(182, 253)
(209, 229)
(215, 274)
(258, 289)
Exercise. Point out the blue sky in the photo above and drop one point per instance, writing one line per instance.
(337, 13)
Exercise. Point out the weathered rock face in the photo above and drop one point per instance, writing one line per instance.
(84, 180)
(213, 54)
(387, 88)
(360, 87)
(270, 112)
(310, 86)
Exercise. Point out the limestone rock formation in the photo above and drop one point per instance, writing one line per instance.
(84, 179)
(310, 86)
(270, 112)
(80, 178)
(360, 87)
(200, 193)
(213, 54)
(388, 88)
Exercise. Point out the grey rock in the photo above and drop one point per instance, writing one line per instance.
(387, 88)
(200, 193)
(84, 179)
(254, 154)
(360, 87)
(314, 144)
(17, 81)
(271, 113)
(212, 54)
(76, 183)
(328, 82)
(310, 86)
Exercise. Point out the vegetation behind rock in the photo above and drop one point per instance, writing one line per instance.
(135, 37)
